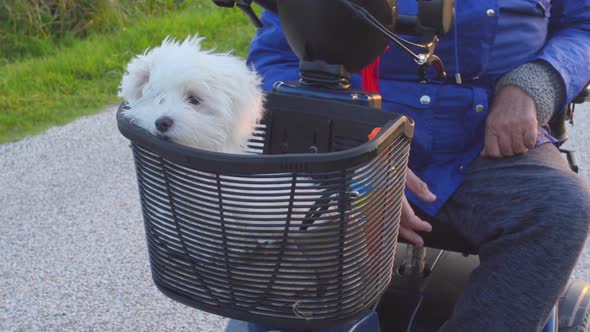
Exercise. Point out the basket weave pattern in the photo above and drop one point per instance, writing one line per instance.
(296, 248)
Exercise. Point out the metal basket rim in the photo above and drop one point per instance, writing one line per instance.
(224, 163)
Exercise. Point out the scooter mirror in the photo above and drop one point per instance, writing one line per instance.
(331, 32)
(436, 16)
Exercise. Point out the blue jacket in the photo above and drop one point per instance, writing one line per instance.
(490, 38)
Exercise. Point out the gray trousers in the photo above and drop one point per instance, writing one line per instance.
(530, 216)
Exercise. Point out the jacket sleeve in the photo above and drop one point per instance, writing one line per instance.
(568, 45)
(270, 54)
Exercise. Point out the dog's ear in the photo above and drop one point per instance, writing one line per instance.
(136, 77)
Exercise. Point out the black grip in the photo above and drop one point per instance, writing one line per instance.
(224, 3)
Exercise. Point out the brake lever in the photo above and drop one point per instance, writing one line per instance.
(428, 58)
(438, 65)
(434, 60)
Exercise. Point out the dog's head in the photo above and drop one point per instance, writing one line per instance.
(193, 97)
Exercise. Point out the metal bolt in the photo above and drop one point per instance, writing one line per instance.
(491, 12)
(422, 58)
(425, 100)
(479, 108)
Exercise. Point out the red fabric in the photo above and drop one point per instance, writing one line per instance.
(370, 76)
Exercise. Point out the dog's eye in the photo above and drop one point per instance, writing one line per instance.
(193, 100)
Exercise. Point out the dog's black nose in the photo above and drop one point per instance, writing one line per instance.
(164, 123)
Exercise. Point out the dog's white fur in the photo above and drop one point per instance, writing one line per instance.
(163, 81)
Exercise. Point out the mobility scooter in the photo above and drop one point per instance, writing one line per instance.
(322, 184)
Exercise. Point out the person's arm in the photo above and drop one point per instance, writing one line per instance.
(568, 45)
(542, 83)
(515, 114)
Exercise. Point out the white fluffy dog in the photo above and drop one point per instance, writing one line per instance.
(205, 100)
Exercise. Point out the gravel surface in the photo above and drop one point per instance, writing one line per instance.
(73, 254)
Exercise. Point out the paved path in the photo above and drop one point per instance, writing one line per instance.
(72, 248)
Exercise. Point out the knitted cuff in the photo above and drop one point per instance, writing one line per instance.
(542, 83)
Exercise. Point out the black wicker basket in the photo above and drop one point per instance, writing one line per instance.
(299, 232)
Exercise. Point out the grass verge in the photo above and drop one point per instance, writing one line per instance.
(81, 79)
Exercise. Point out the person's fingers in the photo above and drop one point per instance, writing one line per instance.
(505, 144)
(410, 224)
(419, 187)
(492, 148)
(518, 146)
(530, 138)
(411, 236)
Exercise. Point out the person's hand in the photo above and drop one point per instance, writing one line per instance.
(410, 224)
(511, 126)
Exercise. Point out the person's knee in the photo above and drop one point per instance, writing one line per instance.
(567, 205)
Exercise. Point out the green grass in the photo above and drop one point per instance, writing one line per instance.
(35, 27)
(81, 79)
